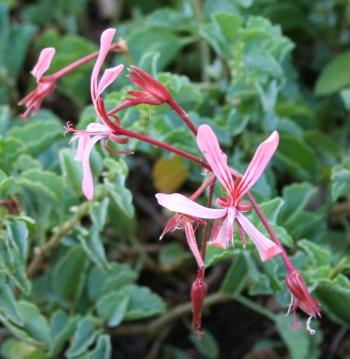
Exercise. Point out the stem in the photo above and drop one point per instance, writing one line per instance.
(56, 75)
(54, 240)
(206, 229)
(163, 145)
(254, 306)
(208, 182)
(155, 327)
(289, 265)
(183, 115)
(203, 46)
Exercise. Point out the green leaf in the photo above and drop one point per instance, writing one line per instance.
(216, 255)
(62, 328)
(71, 169)
(172, 255)
(10, 149)
(236, 276)
(319, 256)
(334, 77)
(102, 350)
(143, 303)
(119, 194)
(297, 157)
(38, 135)
(112, 307)
(101, 281)
(207, 346)
(301, 345)
(98, 214)
(8, 305)
(35, 324)
(94, 248)
(85, 334)
(341, 180)
(296, 197)
(154, 40)
(335, 296)
(12, 348)
(68, 274)
(18, 42)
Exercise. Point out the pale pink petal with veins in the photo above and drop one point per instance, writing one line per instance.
(181, 204)
(44, 62)
(209, 145)
(261, 158)
(266, 248)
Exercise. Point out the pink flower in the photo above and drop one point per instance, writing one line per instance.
(45, 85)
(109, 75)
(86, 140)
(301, 297)
(232, 208)
(154, 93)
(180, 221)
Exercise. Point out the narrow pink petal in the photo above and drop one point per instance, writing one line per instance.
(258, 164)
(44, 62)
(88, 183)
(209, 145)
(266, 248)
(82, 143)
(105, 44)
(225, 233)
(108, 77)
(191, 241)
(171, 225)
(178, 203)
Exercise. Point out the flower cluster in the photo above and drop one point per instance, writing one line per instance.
(227, 212)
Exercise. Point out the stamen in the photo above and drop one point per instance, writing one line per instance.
(291, 304)
(308, 328)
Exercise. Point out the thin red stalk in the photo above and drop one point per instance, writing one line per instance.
(206, 229)
(163, 145)
(289, 265)
(56, 75)
(183, 115)
(209, 181)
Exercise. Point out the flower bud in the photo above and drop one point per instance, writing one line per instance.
(198, 292)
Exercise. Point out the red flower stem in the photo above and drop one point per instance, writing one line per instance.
(206, 228)
(208, 182)
(183, 115)
(56, 75)
(289, 265)
(163, 145)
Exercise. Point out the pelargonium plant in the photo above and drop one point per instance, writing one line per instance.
(224, 215)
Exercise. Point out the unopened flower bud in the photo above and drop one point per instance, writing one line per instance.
(198, 292)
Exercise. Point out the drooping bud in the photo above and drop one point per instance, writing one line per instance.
(301, 298)
(198, 292)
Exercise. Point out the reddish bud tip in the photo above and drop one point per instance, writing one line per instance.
(304, 300)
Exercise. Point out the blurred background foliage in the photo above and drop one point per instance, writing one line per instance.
(90, 280)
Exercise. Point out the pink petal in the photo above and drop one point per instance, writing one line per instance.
(82, 143)
(178, 203)
(225, 233)
(43, 63)
(105, 44)
(209, 145)
(108, 77)
(88, 183)
(191, 240)
(258, 164)
(266, 248)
